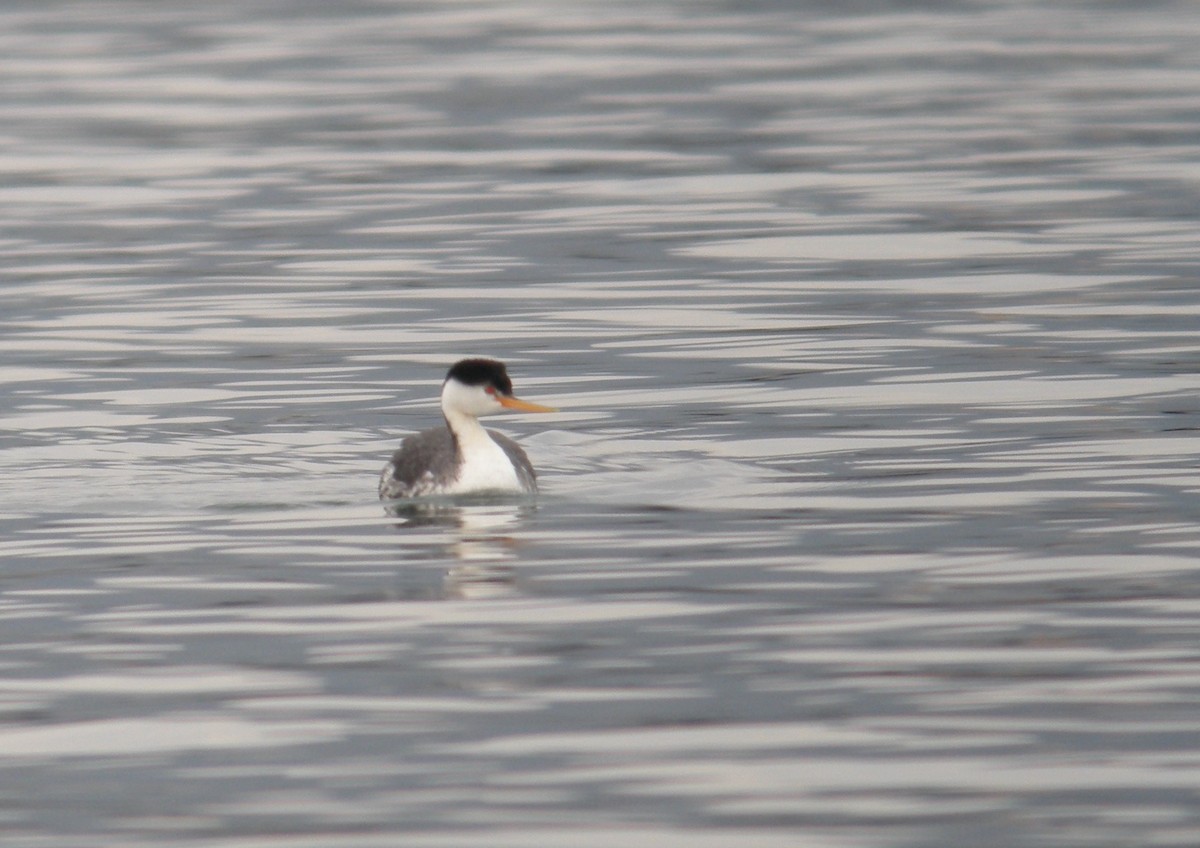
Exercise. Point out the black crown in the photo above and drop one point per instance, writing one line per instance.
(481, 372)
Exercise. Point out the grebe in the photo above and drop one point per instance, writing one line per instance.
(462, 457)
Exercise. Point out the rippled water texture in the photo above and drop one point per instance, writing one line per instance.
(871, 517)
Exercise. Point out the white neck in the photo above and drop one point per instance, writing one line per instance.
(483, 464)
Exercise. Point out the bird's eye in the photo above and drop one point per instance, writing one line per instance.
(490, 390)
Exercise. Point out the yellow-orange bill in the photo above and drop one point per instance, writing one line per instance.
(523, 405)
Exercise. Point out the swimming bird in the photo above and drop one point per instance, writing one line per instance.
(462, 457)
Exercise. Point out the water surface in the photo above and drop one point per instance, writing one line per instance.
(871, 515)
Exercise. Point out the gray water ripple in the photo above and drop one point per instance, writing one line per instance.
(870, 516)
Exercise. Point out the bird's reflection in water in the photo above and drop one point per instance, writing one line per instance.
(479, 536)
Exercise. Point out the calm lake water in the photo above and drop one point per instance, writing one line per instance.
(872, 516)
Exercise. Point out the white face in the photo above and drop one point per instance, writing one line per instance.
(473, 400)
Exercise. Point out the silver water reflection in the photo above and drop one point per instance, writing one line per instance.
(484, 534)
(871, 517)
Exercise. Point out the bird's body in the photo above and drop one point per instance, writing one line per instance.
(462, 457)
(426, 464)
